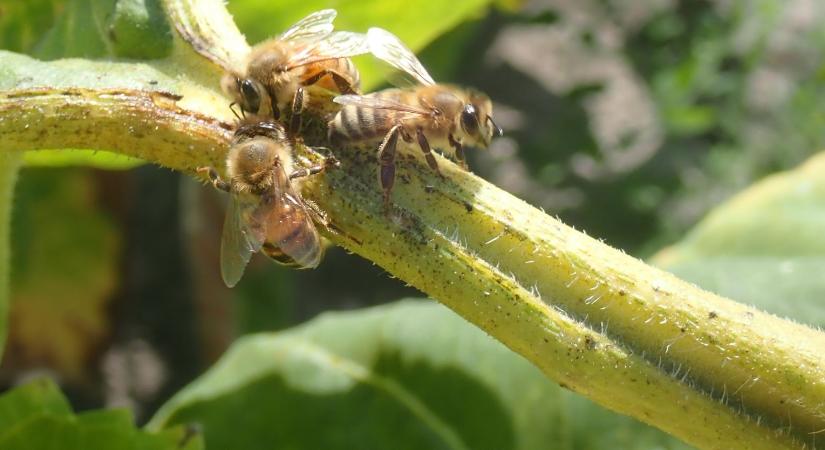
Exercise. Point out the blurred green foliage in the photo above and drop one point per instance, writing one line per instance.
(22, 24)
(764, 247)
(36, 416)
(740, 92)
(407, 375)
(733, 93)
(65, 269)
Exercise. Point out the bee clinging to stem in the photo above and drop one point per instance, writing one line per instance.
(265, 213)
(425, 115)
(303, 67)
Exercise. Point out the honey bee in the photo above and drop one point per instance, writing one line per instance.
(428, 114)
(305, 66)
(265, 213)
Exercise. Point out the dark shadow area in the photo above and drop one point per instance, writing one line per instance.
(155, 302)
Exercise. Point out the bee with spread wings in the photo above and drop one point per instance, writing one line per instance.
(265, 213)
(304, 67)
(427, 114)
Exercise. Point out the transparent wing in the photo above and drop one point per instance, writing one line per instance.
(340, 44)
(312, 26)
(291, 228)
(400, 79)
(387, 47)
(241, 238)
(371, 101)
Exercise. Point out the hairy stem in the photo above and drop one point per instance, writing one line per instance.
(148, 125)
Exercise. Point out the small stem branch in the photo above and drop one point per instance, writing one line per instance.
(209, 29)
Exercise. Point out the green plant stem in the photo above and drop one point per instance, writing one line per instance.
(147, 125)
(207, 27)
(629, 336)
(599, 322)
(9, 166)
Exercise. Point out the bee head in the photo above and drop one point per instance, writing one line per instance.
(477, 121)
(248, 93)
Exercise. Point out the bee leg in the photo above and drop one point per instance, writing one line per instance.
(386, 156)
(276, 113)
(307, 171)
(297, 110)
(319, 216)
(214, 178)
(343, 85)
(329, 161)
(425, 148)
(459, 152)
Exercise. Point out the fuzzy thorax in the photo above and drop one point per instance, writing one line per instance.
(251, 164)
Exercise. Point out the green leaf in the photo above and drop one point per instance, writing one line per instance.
(37, 416)
(766, 246)
(22, 72)
(22, 23)
(79, 31)
(407, 375)
(416, 25)
(40, 397)
(134, 29)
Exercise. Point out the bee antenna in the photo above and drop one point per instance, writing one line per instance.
(232, 108)
(497, 132)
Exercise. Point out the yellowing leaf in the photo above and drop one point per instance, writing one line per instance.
(66, 259)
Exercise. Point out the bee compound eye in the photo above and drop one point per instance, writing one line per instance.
(469, 119)
(251, 96)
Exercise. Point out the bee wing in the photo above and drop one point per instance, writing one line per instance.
(300, 239)
(242, 236)
(340, 44)
(312, 26)
(389, 48)
(370, 101)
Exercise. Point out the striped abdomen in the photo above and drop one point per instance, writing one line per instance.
(341, 66)
(308, 259)
(363, 124)
(290, 232)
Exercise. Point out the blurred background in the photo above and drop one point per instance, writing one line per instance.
(629, 120)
